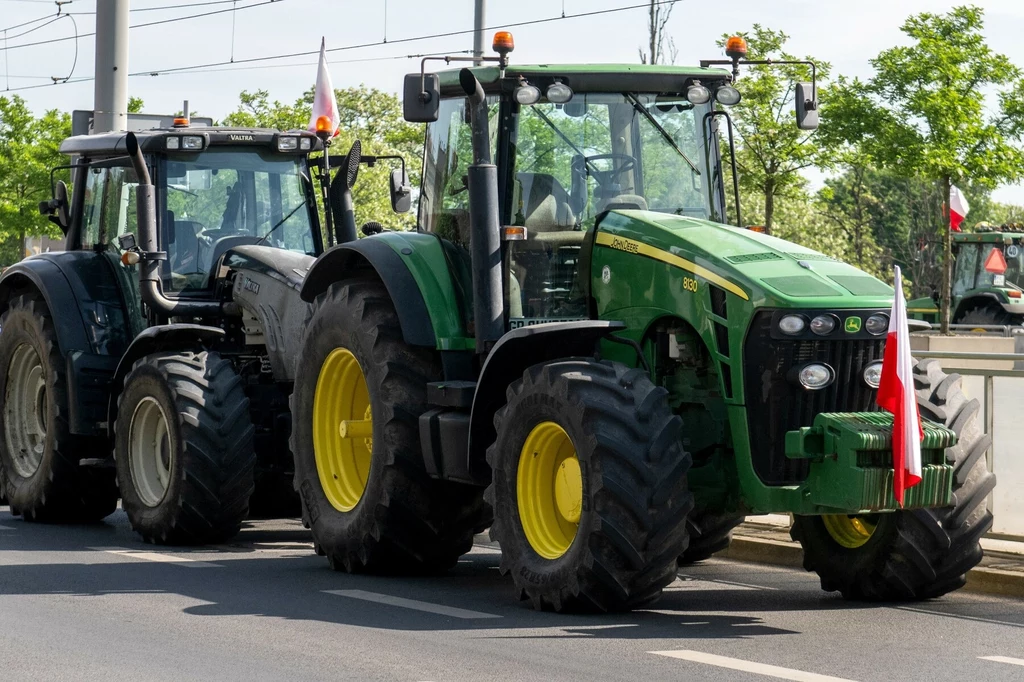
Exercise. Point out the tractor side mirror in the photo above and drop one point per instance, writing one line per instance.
(806, 106)
(401, 192)
(56, 209)
(422, 98)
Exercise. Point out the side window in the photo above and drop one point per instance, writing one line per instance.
(966, 269)
(109, 208)
(444, 201)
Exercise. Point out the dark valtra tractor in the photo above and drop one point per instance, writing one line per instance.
(153, 359)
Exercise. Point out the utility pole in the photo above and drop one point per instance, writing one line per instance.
(478, 34)
(110, 98)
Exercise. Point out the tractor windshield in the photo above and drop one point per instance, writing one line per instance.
(223, 198)
(602, 151)
(970, 267)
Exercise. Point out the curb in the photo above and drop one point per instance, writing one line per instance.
(984, 579)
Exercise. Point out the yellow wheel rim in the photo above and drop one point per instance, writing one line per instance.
(549, 490)
(342, 430)
(850, 532)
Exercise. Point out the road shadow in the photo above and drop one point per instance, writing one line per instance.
(240, 580)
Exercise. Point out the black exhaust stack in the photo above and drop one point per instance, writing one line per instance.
(485, 242)
(150, 285)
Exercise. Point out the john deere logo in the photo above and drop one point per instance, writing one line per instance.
(852, 325)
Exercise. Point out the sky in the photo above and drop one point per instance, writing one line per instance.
(846, 34)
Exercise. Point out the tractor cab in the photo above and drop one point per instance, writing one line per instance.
(570, 144)
(216, 189)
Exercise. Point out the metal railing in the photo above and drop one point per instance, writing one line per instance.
(988, 375)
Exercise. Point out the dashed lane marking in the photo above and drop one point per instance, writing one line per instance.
(156, 557)
(414, 604)
(748, 666)
(6, 528)
(689, 583)
(1003, 659)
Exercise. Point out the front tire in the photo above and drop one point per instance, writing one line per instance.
(184, 448)
(917, 553)
(710, 532)
(39, 457)
(359, 470)
(589, 488)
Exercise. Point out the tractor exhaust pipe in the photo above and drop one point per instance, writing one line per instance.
(485, 242)
(150, 286)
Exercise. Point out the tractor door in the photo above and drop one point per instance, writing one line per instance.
(108, 211)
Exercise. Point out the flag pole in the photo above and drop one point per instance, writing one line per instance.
(947, 262)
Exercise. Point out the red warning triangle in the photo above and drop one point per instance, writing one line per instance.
(995, 263)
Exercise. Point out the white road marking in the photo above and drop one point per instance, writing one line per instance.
(687, 583)
(414, 604)
(6, 528)
(748, 666)
(961, 617)
(156, 557)
(1003, 659)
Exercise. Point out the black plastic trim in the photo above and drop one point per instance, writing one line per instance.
(173, 337)
(514, 352)
(344, 260)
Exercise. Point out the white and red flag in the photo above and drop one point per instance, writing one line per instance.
(896, 394)
(325, 105)
(958, 208)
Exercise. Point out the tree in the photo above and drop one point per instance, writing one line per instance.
(373, 117)
(848, 203)
(924, 113)
(772, 151)
(657, 18)
(28, 150)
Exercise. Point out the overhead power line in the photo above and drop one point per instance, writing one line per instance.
(159, 22)
(209, 66)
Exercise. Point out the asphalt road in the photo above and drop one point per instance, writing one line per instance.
(94, 603)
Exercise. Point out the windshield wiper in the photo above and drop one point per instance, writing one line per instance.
(280, 223)
(664, 133)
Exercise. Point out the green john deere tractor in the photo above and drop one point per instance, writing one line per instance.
(575, 349)
(987, 289)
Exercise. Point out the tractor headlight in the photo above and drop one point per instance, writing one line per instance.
(877, 324)
(287, 143)
(873, 374)
(698, 94)
(192, 142)
(823, 325)
(727, 95)
(559, 93)
(527, 94)
(792, 324)
(815, 376)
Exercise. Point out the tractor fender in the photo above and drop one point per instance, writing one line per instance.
(511, 356)
(374, 254)
(176, 337)
(46, 277)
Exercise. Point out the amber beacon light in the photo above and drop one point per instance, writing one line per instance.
(503, 42)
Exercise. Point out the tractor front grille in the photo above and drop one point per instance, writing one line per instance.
(776, 404)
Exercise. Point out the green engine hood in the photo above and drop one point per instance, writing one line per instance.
(770, 272)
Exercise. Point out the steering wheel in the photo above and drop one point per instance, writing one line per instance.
(607, 177)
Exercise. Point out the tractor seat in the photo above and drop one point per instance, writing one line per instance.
(623, 202)
(545, 203)
(185, 248)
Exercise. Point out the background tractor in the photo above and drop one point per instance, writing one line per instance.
(987, 288)
(575, 348)
(153, 359)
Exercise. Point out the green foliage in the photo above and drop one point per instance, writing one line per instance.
(771, 150)
(370, 115)
(924, 111)
(28, 150)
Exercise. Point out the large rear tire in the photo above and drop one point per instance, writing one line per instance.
(589, 487)
(184, 449)
(988, 315)
(39, 457)
(366, 495)
(917, 553)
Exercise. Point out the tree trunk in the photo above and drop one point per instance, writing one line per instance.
(947, 260)
(769, 205)
(21, 240)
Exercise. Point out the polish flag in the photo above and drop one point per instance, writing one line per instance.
(325, 105)
(896, 395)
(958, 208)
